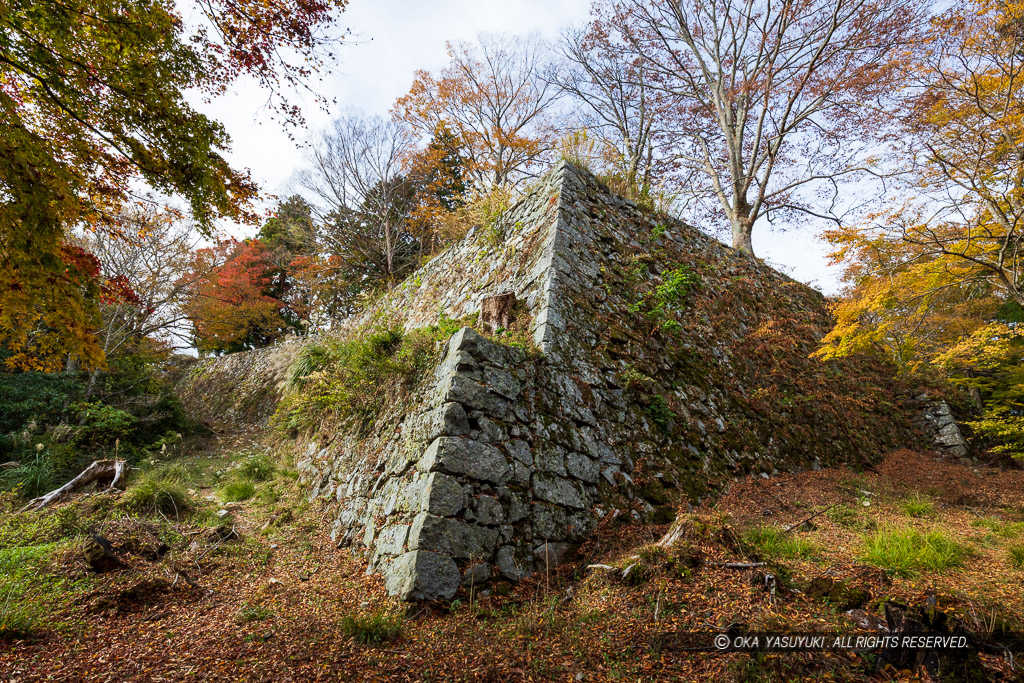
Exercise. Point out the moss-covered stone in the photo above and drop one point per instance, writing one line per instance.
(841, 594)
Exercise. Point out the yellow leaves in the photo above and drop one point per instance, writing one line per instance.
(905, 299)
(971, 106)
(985, 348)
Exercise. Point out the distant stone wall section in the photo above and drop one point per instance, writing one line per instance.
(513, 255)
(941, 428)
(238, 388)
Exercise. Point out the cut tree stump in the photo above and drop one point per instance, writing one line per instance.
(100, 472)
(100, 555)
(496, 311)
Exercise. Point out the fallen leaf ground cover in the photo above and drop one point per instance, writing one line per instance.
(276, 601)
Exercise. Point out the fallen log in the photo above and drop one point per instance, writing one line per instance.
(99, 471)
(674, 533)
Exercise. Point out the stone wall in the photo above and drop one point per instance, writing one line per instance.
(664, 364)
(941, 428)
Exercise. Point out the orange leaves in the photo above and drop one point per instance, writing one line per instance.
(493, 97)
(42, 337)
(92, 105)
(228, 302)
(580, 623)
(439, 173)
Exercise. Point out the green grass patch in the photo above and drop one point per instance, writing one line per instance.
(237, 491)
(250, 554)
(256, 468)
(917, 506)
(1000, 528)
(33, 476)
(1016, 556)
(250, 613)
(240, 482)
(772, 543)
(17, 620)
(353, 380)
(31, 586)
(185, 472)
(162, 490)
(373, 629)
(907, 551)
(268, 495)
(34, 528)
(845, 516)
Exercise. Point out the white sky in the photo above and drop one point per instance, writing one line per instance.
(396, 37)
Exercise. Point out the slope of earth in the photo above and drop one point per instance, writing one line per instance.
(279, 602)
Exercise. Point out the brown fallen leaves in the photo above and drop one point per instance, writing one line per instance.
(583, 626)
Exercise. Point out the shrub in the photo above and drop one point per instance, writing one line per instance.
(906, 551)
(659, 412)
(180, 471)
(236, 491)
(580, 149)
(359, 376)
(160, 491)
(100, 424)
(675, 286)
(918, 505)
(773, 543)
(668, 298)
(481, 210)
(311, 359)
(372, 629)
(34, 476)
(34, 396)
(256, 468)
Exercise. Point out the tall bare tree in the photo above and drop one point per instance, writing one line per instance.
(620, 101)
(494, 97)
(362, 200)
(151, 259)
(769, 94)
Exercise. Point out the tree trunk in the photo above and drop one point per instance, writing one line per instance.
(496, 311)
(101, 470)
(93, 377)
(741, 232)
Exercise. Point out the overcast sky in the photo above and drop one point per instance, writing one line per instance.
(396, 37)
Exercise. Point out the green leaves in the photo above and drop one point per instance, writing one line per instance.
(92, 103)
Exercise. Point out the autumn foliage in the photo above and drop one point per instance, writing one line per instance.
(934, 279)
(494, 99)
(232, 306)
(92, 101)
